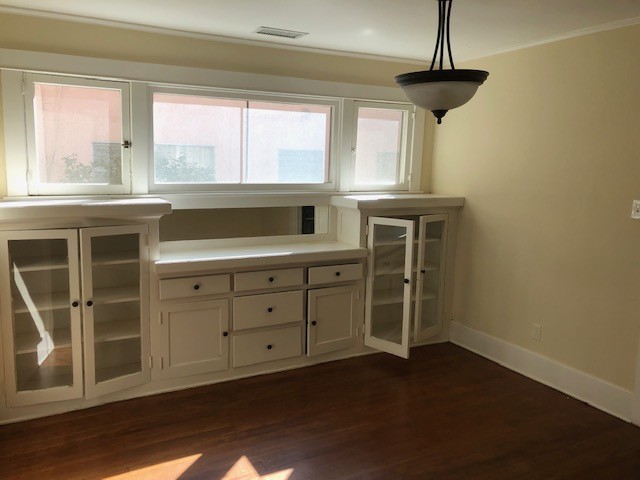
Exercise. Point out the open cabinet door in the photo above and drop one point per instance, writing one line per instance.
(432, 254)
(389, 284)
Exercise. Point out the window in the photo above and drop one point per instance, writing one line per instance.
(69, 135)
(75, 135)
(255, 142)
(381, 137)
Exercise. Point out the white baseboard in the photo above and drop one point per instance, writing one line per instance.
(596, 392)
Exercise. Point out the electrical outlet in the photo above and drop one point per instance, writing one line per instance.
(536, 332)
(635, 210)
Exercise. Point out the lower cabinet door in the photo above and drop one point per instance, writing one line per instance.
(332, 319)
(196, 338)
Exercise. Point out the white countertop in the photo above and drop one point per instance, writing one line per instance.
(395, 200)
(195, 255)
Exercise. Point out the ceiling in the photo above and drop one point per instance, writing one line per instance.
(403, 29)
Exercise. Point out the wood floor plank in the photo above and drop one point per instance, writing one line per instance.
(444, 414)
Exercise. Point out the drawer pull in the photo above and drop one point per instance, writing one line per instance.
(270, 309)
(269, 347)
(89, 303)
(196, 286)
(314, 322)
(225, 334)
(75, 304)
(406, 280)
(271, 279)
(337, 274)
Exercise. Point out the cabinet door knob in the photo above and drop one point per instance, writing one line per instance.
(270, 309)
(314, 322)
(75, 304)
(196, 286)
(225, 334)
(269, 347)
(423, 271)
(337, 274)
(406, 280)
(89, 303)
(271, 279)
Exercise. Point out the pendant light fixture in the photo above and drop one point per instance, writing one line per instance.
(440, 90)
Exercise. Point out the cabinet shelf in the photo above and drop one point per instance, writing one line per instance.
(118, 330)
(391, 298)
(43, 302)
(116, 372)
(28, 342)
(399, 270)
(48, 377)
(35, 264)
(115, 258)
(401, 241)
(103, 296)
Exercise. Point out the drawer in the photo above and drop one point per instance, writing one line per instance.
(251, 348)
(335, 273)
(289, 277)
(194, 286)
(268, 309)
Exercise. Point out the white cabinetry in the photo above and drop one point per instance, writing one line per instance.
(332, 319)
(53, 292)
(405, 283)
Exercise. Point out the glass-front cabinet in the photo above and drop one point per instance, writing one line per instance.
(405, 281)
(59, 301)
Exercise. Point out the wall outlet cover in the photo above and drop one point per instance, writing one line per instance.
(635, 210)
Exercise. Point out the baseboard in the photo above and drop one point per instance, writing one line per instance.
(596, 392)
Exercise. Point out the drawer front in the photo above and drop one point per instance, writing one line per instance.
(268, 309)
(289, 277)
(259, 347)
(335, 273)
(194, 286)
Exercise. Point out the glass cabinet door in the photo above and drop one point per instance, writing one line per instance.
(432, 241)
(41, 316)
(389, 285)
(114, 266)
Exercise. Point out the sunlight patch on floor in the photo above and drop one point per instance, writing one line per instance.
(171, 470)
(244, 470)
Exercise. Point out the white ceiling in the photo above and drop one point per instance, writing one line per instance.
(402, 29)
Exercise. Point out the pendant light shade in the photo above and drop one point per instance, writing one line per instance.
(441, 90)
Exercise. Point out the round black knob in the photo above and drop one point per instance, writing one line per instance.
(196, 287)
(423, 271)
(314, 322)
(270, 309)
(271, 279)
(75, 304)
(89, 303)
(269, 347)
(406, 280)
(225, 334)
(337, 274)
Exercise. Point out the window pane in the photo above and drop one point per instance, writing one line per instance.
(78, 134)
(287, 143)
(197, 139)
(378, 146)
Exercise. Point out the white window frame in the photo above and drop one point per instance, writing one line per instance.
(143, 77)
(35, 187)
(334, 135)
(407, 162)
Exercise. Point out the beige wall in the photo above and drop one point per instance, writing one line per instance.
(548, 156)
(56, 36)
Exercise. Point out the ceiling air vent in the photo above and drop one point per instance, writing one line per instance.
(278, 32)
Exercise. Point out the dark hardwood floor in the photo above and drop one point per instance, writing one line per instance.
(444, 414)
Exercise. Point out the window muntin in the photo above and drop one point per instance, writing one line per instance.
(75, 134)
(382, 134)
(255, 141)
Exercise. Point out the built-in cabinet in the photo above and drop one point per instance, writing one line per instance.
(405, 283)
(74, 312)
(258, 316)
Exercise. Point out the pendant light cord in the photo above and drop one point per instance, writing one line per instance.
(444, 22)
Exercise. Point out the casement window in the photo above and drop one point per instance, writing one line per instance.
(76, 132)
(69, 135)
(383, 136)
(225, 143)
